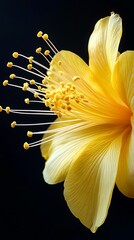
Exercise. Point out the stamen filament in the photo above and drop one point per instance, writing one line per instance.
(29, 71)
(46, 123)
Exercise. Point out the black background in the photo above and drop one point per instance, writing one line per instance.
(29, 208)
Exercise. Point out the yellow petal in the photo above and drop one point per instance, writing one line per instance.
(72, 69)
(123, 78)
(103, 48)
(90, 181)
(65, 147)
(125, 176)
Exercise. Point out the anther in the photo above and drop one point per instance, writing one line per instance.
(9, 64)
(69, 108)
(32, 82)
(13, 124)
(26, 146)
(31, 59)
(12, 76)
(44, 81)
(45, 36)
(1, 108)
(7, 110)
(26, 100)
(25, 86)
(39, 34)
(15, 54)
(5, 83)
(38, 50)
(36, 94)
(29, 134)
(59, 63)
(47, 52)
(29, 66)
(76, 78)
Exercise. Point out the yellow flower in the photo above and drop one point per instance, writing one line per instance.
(90, 144)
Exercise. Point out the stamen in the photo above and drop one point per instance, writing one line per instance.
(13, 124)
(26, 146)
(15, 54)
(39, 34)
(5, 83)
(12, 76)
(7, 110)
(9, 64)
(29, 134)
(47, 52)
(26, 100)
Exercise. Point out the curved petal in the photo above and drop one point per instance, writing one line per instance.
(90, 181)
(66, 145)
(125, 176)
(72, 69)
(123, 78)
(103, 48)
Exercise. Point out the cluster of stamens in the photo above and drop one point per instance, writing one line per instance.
(59, 95)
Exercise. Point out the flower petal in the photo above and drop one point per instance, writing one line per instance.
(65, 147)
(125, 176)
(103, 48)
(72, 69)
(123, 78)
(90, 181)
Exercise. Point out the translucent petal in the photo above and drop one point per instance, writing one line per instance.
(125, 176)
(65, 147)
(90, 181)
(103, 48)
(123, 78)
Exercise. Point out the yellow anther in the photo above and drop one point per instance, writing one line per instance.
(45, 36)
(36, 94)
(76, 78)
(9, 64)
(43, 89)
(56, 97)
(69, 108)
(31, 59)
(25, 86)
(15, 54)
(26, 146)
(59, 63)
(12, 76)
(39, 88)
(81, 95)
(44, 81)
(47, 103)
(39, 34)
(47, 52)
(52, 87)
(61, 73)
(5, 83)
(7, 110)
(1, 108)
(32, 82)
(13, 124)
(59, 114)
(29, 134)
(69, 84)
(29, 66)
(64, 106)
(26, 100)
(62, 84)
(38, 50)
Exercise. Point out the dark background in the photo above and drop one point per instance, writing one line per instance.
(29, 208)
